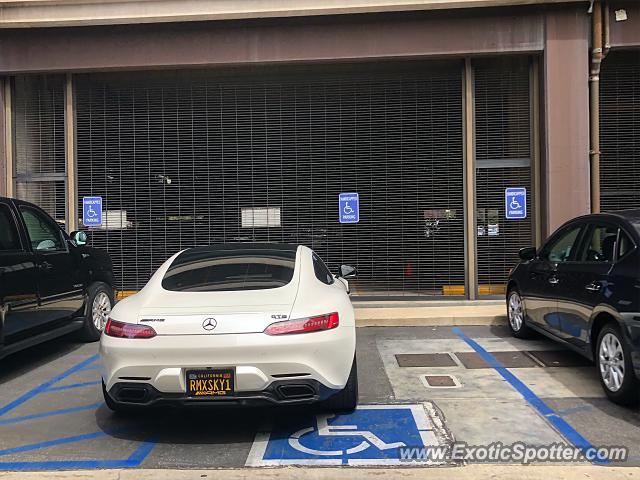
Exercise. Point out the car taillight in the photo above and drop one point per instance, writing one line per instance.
(117, 329)
(304, 325)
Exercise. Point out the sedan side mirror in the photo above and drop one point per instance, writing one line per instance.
(347, 271)
(80, 238)
(528, 253)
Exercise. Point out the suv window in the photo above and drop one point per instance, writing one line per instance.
(322, 272)
(207, 270)
(9, 240)
(625, 244)
(600, 245)
(44, 233)
(562, 247)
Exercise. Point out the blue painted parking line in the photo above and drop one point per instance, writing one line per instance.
(136, 458)
(41, 388)
(50, 413)
(72, 386)
(561, 425)
(370, 435)
(51, 443)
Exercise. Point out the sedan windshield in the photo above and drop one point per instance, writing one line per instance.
(217, 270)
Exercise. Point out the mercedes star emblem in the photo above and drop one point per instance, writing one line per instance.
(209, 324)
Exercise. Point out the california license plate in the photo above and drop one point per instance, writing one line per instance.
(210, 383)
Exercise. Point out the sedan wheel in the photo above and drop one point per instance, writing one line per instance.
(611, 360)
(516, 314)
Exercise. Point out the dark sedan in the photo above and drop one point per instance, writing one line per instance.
(582, 288)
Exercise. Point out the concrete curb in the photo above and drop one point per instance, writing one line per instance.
(469, 472)
(427, 316)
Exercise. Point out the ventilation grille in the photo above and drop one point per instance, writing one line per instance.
(503, 156)
(39, 142)
(620, 131)
(188, 159)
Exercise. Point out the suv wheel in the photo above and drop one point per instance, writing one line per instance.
(516, 316)
(615, 367)
(99, 304)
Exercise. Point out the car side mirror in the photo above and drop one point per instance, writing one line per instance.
(528, 253)
(80, 238)
(347, 271)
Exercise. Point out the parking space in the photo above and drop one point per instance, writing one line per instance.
(419, 387)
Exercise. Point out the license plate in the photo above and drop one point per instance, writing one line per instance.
(210, 383)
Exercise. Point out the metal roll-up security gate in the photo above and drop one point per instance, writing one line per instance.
(194, 158)
(620, 131)
(503, 160)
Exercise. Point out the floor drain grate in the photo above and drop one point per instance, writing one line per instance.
(425, 360)
(440, 381)
(508, 359)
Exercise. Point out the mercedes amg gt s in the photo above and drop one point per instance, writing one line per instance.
(235, 324)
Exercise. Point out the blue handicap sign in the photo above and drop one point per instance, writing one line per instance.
(349, 207)
(92, 211)
(371, 435)
(515, 199)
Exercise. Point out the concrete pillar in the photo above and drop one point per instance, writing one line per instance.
(566, 116)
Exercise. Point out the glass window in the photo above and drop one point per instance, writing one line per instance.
(9, 240)
(601, 244)
(322, 272)
(561, 248)
(221, 269)
(44, 233)
(626, 245)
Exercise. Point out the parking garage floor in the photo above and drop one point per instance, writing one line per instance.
(419, 387)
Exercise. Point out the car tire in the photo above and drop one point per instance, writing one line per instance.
(100, 301)
(613, 357)
(346, 400)
(516, 315)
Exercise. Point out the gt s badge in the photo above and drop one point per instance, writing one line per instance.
(278, 317)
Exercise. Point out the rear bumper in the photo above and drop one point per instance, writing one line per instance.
(258, 359)
(283, 392)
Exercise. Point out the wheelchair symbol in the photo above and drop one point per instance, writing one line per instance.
(347, 208)
(514, 204)
(326, 430)
(91, 213)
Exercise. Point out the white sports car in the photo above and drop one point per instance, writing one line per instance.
(234, 324)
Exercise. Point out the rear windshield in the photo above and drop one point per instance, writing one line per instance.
(229, 270)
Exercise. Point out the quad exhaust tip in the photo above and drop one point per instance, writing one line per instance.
(296, 391)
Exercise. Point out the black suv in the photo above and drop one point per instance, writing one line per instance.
(582, 288)
(50, 283)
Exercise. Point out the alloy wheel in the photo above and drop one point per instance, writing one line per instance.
(100, 310)
(611, 361)
(516, 313)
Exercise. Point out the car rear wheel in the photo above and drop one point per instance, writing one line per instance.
(346, 400)
(615, 367)
(99, 304)
(516, 316)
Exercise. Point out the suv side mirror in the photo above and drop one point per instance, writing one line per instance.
(347, 271)
(528, 253)
(79, 237)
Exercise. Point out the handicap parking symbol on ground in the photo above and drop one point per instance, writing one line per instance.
(371, 435)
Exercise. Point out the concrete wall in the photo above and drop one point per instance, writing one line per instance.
(626, 33)
(46, 13)
(566, 117)
(269, 41)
